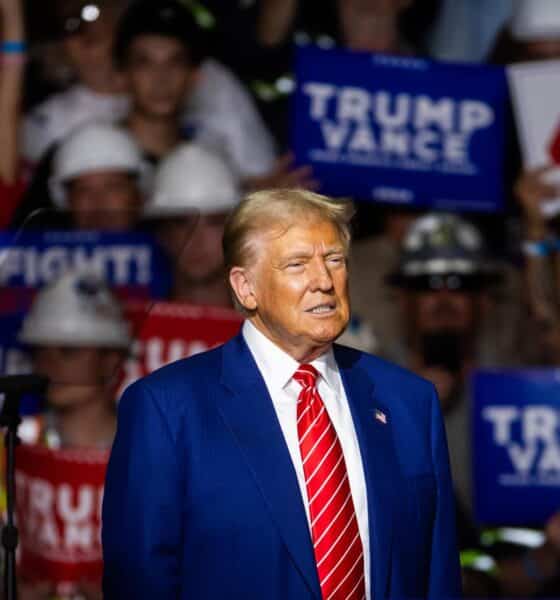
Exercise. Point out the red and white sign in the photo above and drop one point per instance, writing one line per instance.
(59, 495)
(168, 331)
(535, 92)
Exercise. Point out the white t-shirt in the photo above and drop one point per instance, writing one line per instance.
(220, 114)
(55, 118)
(223, 116)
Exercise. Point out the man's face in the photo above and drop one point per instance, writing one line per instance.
(104, 200)
(195, 245)
(159, 75)
(89, 50)
(445, 310)
(76, 375)
(300, 287)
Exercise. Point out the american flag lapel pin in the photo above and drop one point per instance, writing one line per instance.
(380, 416)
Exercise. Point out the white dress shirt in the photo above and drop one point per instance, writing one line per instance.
(277, 369)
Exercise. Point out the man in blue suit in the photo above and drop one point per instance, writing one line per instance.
(280, 465)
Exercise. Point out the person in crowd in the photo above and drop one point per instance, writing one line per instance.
(532, 34)
(87, 30)
(175, 92)
(163, 56)
(374, 259)
(442, 277)
(239, 504)
(96, 178)
(78, 338)
(541, 256)
(13, 53)
(194, 191)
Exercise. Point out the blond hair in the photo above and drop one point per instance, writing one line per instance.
(269, 210)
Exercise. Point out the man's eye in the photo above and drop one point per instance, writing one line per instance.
(336, 260)
(294, 265)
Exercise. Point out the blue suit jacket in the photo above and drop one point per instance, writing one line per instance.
(202, 500)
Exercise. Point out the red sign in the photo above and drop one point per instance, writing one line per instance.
(554, 146)
(168, 331)
(58, 501)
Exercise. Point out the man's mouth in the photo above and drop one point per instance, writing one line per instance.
(322, 309)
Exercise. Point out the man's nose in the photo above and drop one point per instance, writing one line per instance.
(322, 279)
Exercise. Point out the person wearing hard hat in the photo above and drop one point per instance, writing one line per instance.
(193, 192)
(96, 177)
(86, 31)
(177, 92)
(78, 337)
(442, 282)
(444, 278)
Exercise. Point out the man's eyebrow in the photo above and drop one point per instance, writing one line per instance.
(334, 250)
(297, 254)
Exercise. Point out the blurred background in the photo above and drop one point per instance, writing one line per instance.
(129, 129)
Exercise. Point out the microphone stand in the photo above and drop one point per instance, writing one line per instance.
(13, 387)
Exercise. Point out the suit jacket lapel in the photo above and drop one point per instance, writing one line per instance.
(379, 462)
(250, 415)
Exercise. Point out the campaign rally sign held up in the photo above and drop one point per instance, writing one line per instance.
(401, 130)
(130, 262)
(58, 503)
(168, 331)
(516, 444)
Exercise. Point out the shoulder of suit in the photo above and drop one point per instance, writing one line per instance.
(379, 369)
(199, 370)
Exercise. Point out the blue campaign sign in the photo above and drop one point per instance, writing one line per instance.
(401, 130)
(131, 263)
(516, 446)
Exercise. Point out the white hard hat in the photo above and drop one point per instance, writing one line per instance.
(94, 147)
(535, 20)
(192, 179)
(76, 310)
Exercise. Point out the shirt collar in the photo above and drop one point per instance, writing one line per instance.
(278, 367)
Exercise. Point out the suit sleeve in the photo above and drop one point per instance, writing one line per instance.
(142, 529)
(445, 573)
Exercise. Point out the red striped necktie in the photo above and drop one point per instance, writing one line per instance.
(334, 526)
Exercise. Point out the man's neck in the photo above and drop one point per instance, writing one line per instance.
(107, 83)
(155, 136)
(302, 352)
(91, 424)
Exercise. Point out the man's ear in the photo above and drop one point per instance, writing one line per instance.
(242, 287)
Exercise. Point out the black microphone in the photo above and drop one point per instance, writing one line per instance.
(12, 388)
(23, 384)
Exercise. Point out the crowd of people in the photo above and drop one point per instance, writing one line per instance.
(155, 117)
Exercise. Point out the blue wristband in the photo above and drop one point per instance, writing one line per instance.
(13, 47)
(542, 248)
